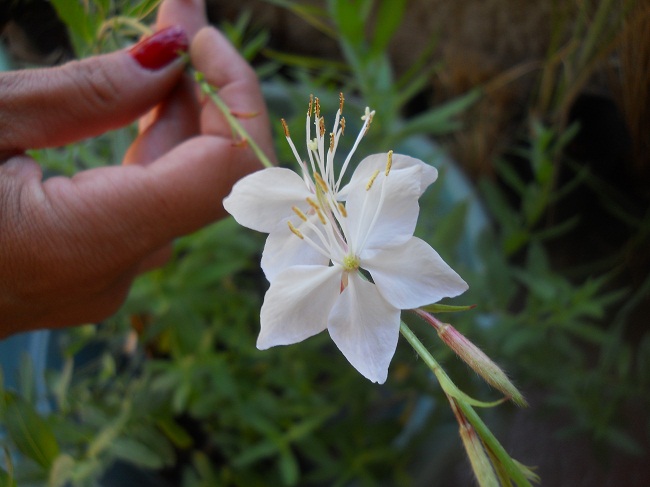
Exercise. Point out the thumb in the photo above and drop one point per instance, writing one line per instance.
(55, 106)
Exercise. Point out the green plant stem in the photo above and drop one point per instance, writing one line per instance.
(481, 428)
(211, 91)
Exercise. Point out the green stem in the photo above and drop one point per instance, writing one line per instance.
(483, 431)
(211, 91)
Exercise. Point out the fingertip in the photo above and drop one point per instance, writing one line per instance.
(160, 49)
(213, 54)
(189, 14)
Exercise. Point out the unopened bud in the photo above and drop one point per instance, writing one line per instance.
(479, 362)
(478, 456)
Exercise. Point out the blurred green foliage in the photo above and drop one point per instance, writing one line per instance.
(174, 384)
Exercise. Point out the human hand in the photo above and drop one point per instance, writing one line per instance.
(71, 247)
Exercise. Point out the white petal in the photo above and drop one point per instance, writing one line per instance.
(412, 275)
(372, 163)
(260, 200)
(386, 214)
(297, 304)
(283, 249)
(365, 328)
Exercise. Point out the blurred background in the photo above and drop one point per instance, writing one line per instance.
(537, 115)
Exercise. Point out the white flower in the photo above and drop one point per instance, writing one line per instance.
(348, 268)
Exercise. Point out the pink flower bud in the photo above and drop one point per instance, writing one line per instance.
(475, 358)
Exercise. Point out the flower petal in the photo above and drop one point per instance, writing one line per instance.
(297, 304)
(412, 275)
(283, 249)
(386, 214)
(372, 163)
(365, 328)
(262, 199)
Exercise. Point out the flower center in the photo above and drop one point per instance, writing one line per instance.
(351, 262)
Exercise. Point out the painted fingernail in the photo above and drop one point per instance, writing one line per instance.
(160, 49)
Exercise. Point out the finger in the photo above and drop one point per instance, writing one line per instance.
(55, 106)
(176, 117)
(173, 121)
(189, 14)
(238, 86)
(156, 259)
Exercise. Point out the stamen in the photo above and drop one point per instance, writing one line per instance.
(342, 209)
(299, 212)
(331, 141)
(372, 180)
(295, 231)
(342, 125)
(321, 182)
(341, 101)
(389, 163)
(317, 107)
(285, 127)
(321, 126)
(313, 204)
(317, 209)
(367, 117)
(311, 105)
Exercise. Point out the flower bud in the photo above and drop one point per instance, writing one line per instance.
(478, 361)
(478, 456)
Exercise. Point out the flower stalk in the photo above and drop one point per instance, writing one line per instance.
(237, 128)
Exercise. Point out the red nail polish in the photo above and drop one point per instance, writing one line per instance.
(161, 48)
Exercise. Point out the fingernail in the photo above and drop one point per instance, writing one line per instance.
(160, 49)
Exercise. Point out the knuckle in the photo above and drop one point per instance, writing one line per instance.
(96, 85)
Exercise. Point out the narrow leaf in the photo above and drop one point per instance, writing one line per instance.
(30, 433)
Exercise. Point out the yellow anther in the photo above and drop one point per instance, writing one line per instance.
(313, 204)
(285, 127)
(342, 209)
(321, 182)
(318, 211)
(299, 212)
(317, 107)
(311, 105)
(342, 123)
(341, 101)
(295, 231)
(321, 126)
(331, 141)
(372, 180)
(321, 217)
(389, 163)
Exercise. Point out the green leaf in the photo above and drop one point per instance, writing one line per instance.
(6, 480)
(79, 20)
(440, 120)
(350, 17)
(176, 434)
(137, 453)
(389, 18)
(31, 434)
(446, 308)
(289, 469)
